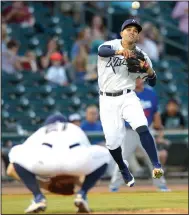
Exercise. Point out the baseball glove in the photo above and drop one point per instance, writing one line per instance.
(137, 63)
(63, 184)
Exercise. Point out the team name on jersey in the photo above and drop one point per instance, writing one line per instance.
(116, 62)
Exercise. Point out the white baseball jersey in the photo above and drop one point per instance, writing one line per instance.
(113, 73)
(59, 148)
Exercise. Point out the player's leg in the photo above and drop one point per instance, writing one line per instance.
(16, 156)
(11, 172)
(128, 149)
(160, 183)
(134, 114)
(114, 131)
(96, 166)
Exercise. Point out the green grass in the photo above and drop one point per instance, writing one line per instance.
(102, 202)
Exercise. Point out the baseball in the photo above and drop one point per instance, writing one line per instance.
(135, 5)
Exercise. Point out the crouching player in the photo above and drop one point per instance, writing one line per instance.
(56, 149)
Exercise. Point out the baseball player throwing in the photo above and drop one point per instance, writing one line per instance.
(58, 148)
(120, 63)
(149, 103)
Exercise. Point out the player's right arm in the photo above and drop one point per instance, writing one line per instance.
(107, 50)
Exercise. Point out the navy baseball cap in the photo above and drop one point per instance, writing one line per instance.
(55, 118)
(129, 22)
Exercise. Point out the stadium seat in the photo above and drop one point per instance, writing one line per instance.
(182, 90)
(5, 114)
(11, 79)
(64, 92)
(42, 91)
(14, 92)
(87, 102)
(167, 76)
(31, 79)
(180, 76)
(55, 20)
(22, 103)
(47, 103)
(72, 104)
(28, 32)
(87, 90)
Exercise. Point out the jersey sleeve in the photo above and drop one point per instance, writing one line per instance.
(107, 43)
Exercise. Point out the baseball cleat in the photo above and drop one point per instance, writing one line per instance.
(164, 188)
(127, 176)
(114, 189)
(81, 204)
(157, 172)
(37, 207)
(116, 181)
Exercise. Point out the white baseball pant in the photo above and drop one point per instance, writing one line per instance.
(46, 161)
(114, 111)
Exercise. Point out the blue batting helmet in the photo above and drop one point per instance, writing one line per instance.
(55, 118)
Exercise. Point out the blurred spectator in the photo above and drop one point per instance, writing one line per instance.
(98, 30)
(92, 61)
(10, 60)
(56, 74)
(51, 5)
(83, 39)
(162, 145)
(153, 33)
(79, 66)
(31, 65)
(52, 46)
(13, 126)
(148, 46)
(73, 9)
(172, 117)
(5, 150)
(75, 118)
(124, 5)
(180, 12)
(69, 8)
(18, 13)
(4, 37)
(3, 168)
(100, 7)
(43, 62)
(92, 123)
(149, 4)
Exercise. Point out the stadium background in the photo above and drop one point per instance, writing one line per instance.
(74, 30)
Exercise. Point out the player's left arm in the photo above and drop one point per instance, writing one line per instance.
(151, 74)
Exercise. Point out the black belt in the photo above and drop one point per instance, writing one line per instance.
(71, 146)
(47, 144)
(74, 145)
(119, 93)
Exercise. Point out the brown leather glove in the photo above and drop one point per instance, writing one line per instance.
(63, 184)
(137, 63)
